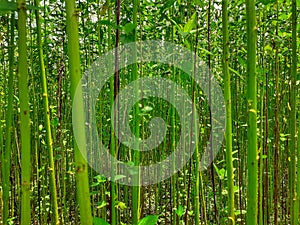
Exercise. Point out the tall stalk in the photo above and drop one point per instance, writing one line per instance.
(296, 207)
(115, 85)
(8, 126)
(136, 156)
(114, 91)
(173, 191)
(265, 203)
(227, 93)
(1, 201)
(197, 152)
(82, 181)
(296, 192)
(49, 140)
(252, 163)
(24, 115)
(276, 128)
(262, 161)
(212, 173)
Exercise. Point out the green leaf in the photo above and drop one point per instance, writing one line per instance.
(283, 137)
(175, 23)
(132, 169)
(149, 220)
(167, 5)
(224, 192)
(128, 28)
(54, 122)
(100, 178)
(241, 61)
(236, 72)
(32, 7)
(6, 6)
(101, 204)
(94, 193)
(58, 157)
(220, 172)
(205, 51)
(105, 22)
(121, 206)
(235, 189)
(180, 211)
(108, 23)
(118, 177)
(126, 38)
(239, 212)
(99, 221)
(199, 3)
(266, 2)
(147, 109)
(191, 23)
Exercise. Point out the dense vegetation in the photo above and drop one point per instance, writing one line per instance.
(252, 51)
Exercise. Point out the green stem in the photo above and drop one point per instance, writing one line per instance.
(295, 192)
(8, 126)
(114, 91)
(24, 115)
(136, 189)
(252, 163)
(228, 133)
(49, 140)
(82, 181)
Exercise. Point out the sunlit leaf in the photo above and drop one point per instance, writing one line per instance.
(180, 211)
(101, 204)
(149, 220)
(99, 221)
(191, 24)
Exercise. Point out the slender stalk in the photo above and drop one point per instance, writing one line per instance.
(296, 192)
(266, 150)
(297, 203)
(212, 173)
(227, 93)
(252, 163)
(24, 115)
(82, 181)
(115, 84)
(114, 91)
(197, 152)
(49, 140)
(8, 126)
(262, 131)
(276, 128)
(136, 190)
(3, 178)
(173, 141)
(1, 201)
